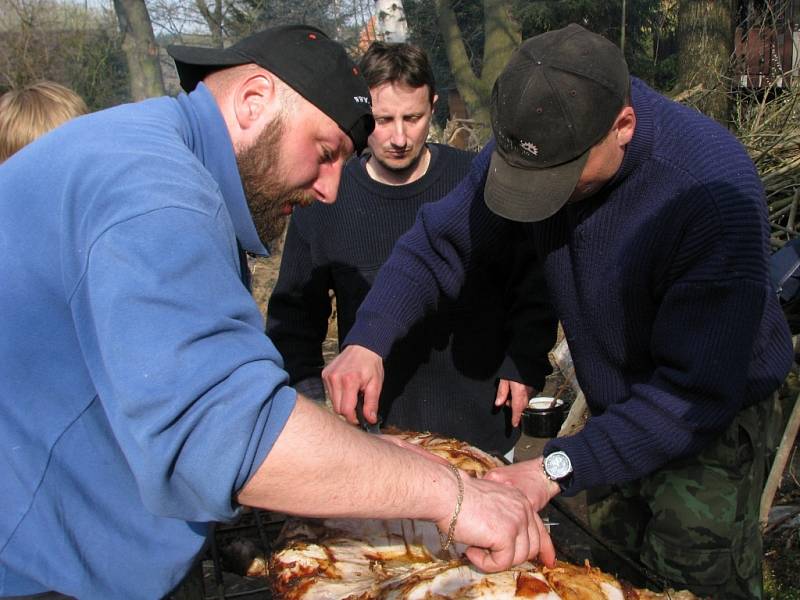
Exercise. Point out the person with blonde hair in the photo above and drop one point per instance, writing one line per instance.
(29, 112)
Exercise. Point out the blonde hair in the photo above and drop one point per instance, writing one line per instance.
(29, 112)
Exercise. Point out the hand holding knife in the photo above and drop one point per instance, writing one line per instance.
(362, 420)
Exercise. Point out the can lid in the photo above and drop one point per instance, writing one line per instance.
(545, 403)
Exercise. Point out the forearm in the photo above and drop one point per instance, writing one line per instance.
(529, 477)
(321, 466)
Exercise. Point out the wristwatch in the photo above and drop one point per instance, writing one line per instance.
(558, 467)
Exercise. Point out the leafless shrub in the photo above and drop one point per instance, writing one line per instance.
(64, 42)
(466, 134)
(767, 121)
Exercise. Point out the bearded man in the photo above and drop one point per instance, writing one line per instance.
(141, 400)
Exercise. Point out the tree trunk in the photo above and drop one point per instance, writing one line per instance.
(502, 36)
(391, 21)
(705, 42)
(141, 51)
(214, 20)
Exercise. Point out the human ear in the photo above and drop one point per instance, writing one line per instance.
(625, 125)
(254, 99)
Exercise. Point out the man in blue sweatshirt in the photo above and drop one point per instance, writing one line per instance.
(140, 399)
(651, 222)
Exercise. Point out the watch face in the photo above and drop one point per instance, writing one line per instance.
(557, 465)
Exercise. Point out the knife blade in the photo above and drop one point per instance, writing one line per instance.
(362, 420)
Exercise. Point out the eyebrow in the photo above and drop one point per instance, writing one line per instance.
(341, 149)
(378, 115)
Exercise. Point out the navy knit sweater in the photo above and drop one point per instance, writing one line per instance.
(442, 376)
(660, 281)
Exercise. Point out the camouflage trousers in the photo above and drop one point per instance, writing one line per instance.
(694, 523)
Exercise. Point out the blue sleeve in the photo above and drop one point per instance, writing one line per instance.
(194, 391)
(429, 261)
(687, 396)
(530, 320)
(701, 347)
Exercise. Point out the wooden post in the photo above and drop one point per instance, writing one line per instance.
(579, 411)
(779, 464)
(458, 111)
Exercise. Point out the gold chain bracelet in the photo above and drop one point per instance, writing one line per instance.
(448, 541)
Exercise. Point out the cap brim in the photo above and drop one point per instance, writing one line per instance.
(529, 195)
(193, 63)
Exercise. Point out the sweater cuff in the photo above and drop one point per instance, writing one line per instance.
(586, 471)
(311, 387)
(533, 375)
(374, 333)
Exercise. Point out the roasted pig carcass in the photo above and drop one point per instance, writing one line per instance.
(364, 559)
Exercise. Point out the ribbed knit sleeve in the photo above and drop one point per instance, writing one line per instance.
(664, 297)
(659, 280)
(531, 323)
(701, 342)
(441, 375)
(429, 262)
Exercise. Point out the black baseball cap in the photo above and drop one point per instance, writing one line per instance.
(306, 59)
(556, 98)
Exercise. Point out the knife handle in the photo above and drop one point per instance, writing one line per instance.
(362, 420)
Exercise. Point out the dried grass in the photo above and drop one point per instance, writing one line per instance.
(768, 124)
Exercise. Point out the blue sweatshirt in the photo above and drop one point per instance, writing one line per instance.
(660, 281)
(139, 392)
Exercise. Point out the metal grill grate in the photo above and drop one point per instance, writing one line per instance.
(220, 575)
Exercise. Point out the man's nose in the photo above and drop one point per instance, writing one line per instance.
(399, 137)
(327, 184)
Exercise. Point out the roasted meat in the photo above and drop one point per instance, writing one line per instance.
(364, 559)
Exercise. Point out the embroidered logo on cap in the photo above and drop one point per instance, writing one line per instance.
(530, 148)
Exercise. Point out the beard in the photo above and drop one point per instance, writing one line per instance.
(264, 185)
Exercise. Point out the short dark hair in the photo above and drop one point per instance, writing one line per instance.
(397, 63)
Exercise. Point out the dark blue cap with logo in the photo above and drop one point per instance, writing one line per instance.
(557, 97)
